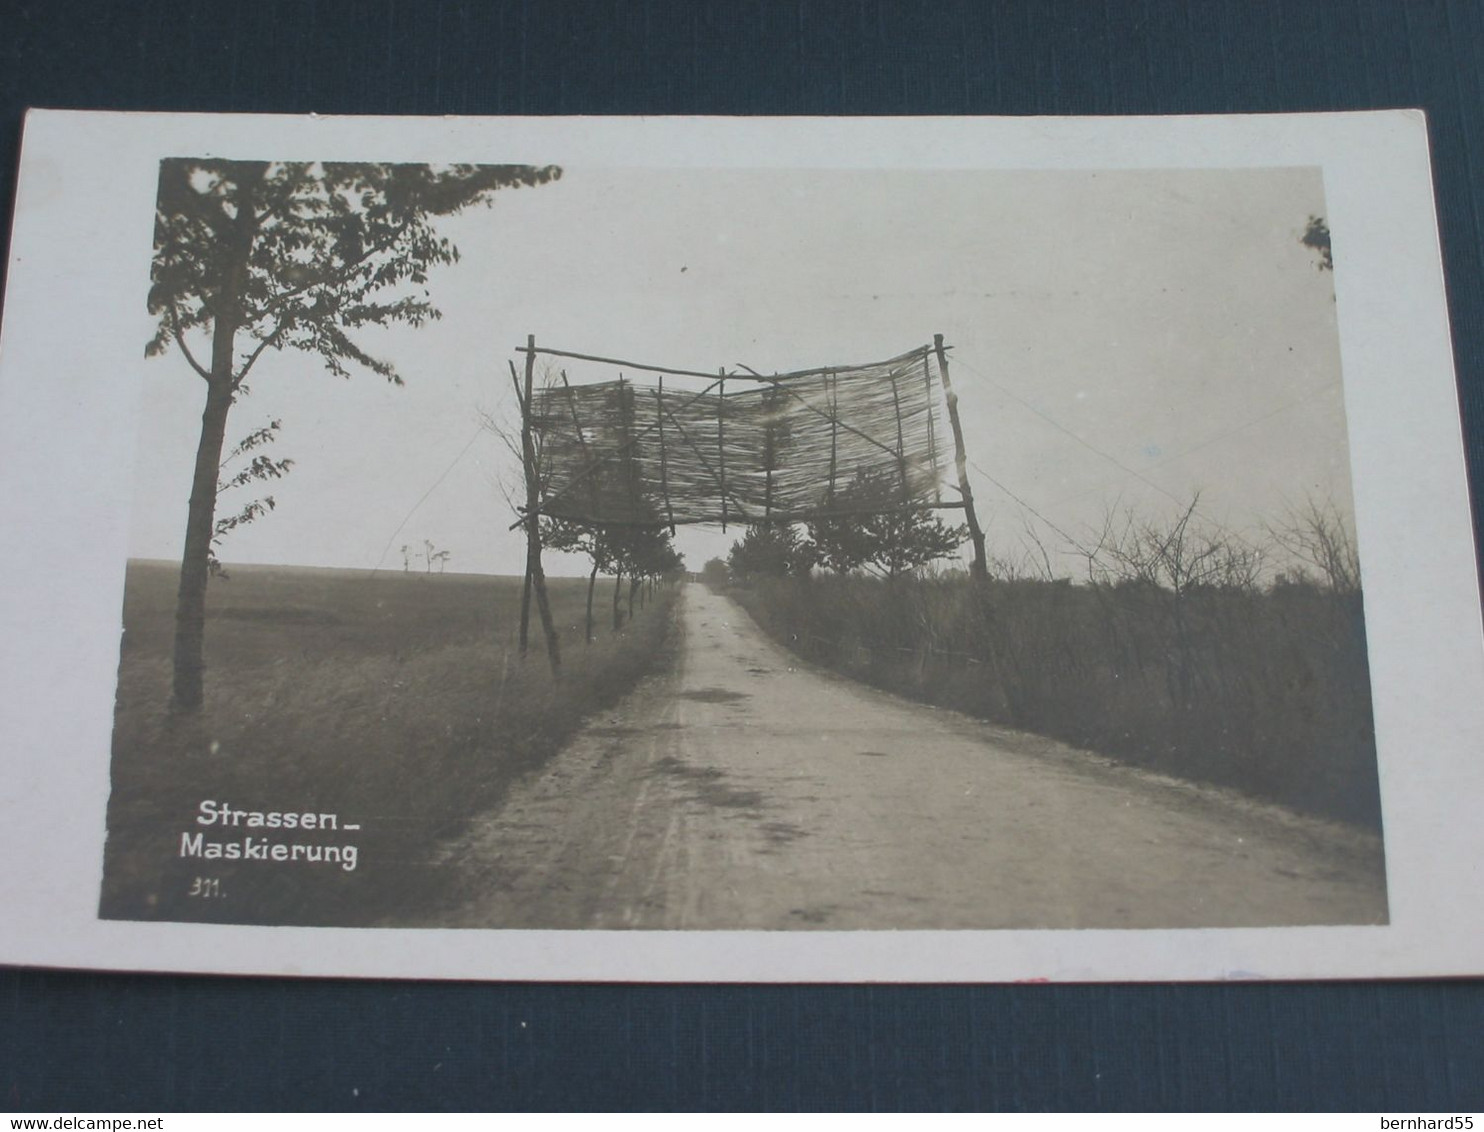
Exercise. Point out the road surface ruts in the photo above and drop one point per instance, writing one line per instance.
(742, 789)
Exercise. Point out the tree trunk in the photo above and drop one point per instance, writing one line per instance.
(592, 582)
(188, 689)
(525, 609)
(543, 607)
(633, 586)
(190, 604)
(979, 568)
(617, 593)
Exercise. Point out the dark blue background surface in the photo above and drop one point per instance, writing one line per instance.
(81, 1042)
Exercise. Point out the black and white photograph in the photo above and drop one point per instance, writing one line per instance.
(582, 545)
(867, 550)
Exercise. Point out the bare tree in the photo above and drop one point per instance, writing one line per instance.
(1162, 566)
(1036, 559)
(1180, 555)
(1321, 545)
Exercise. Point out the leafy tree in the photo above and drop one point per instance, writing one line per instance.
(578, 538)
(254, 255)
(715, 574)
(671, 563)
(645, 553)
(873, 531)
(260, 468)
(638, 553)
(768, 550)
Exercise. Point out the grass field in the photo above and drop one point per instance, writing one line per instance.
(397, 701)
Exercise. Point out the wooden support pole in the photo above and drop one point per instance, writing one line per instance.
(980, 567)
(535, 576)
(721, 443)
(592, 581)
(525, 589)
(592, 482)
(527, 461)
(525, 607)
(896, 404)
(927, 383)
(664, 455)
(626, 445)
(770, 450)
(673, 371)
(519, 397)
(832, 394)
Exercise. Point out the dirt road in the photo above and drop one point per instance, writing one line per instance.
(742, 789)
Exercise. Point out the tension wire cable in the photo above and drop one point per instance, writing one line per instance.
(1106, 456)
(443, 476)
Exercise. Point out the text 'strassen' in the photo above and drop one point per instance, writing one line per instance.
(252, 847)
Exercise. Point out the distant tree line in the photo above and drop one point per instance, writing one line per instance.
(643, 555)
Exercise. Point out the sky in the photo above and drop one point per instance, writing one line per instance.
(1121, 340)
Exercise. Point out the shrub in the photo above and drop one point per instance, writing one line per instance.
(1264, 691)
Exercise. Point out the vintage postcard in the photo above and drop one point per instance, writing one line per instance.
(910, 549)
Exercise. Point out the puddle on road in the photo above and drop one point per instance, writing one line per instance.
(710, 785)
(874, 754)
(813, 915)
(714, 696)
(781, 832)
